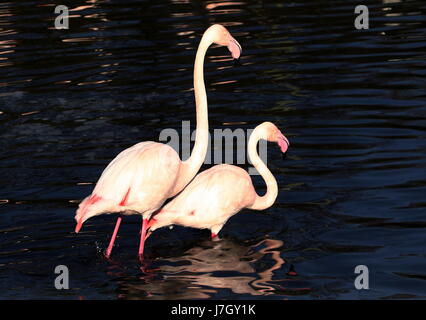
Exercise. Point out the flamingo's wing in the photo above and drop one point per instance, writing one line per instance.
(213, 196)
(145, 170)
(140, 178)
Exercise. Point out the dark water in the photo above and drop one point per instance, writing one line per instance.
(352, 189)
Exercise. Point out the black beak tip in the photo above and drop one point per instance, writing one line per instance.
(236, 62)
(284, 155)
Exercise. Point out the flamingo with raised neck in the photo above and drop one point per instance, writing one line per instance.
(142, 177)
(220, 192)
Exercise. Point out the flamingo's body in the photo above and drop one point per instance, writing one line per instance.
(139, 179)
(218, 193)
(210, 200)
(142, 177)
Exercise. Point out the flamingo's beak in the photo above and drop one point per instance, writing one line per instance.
(150, 223)
(148, 234)
(79, 225)
(283, 143)
(235, 48)
(148, 227)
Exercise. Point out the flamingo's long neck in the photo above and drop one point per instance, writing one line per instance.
(191, 166)
(268, 199)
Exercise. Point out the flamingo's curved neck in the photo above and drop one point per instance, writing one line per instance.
(198, 154)
(268, 199)
(191, 166)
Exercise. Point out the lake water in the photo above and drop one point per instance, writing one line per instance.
(351, 190)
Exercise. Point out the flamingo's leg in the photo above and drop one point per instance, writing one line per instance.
(143, 236)
(114, 235)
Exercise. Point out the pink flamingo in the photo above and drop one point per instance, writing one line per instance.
(218, 193)
(142, 177)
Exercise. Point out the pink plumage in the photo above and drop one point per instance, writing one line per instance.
(218, 193)
(142, 177)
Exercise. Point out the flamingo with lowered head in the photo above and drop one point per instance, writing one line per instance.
(142, 177)
(218, 193)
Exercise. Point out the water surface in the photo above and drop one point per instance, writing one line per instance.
(351, 190)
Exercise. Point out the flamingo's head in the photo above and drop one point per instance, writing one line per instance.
(221, 36)
(162, 218)
(88, 208)
(273, 134)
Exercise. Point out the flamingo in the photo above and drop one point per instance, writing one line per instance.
(220, 192)
(139, 179)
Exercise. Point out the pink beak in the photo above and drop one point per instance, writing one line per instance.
(79, 225)
(283, 143)
(151, 222)
(235, 48)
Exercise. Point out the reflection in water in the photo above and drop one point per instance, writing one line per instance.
(389, 12)
(207, 268)
(6, 46)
